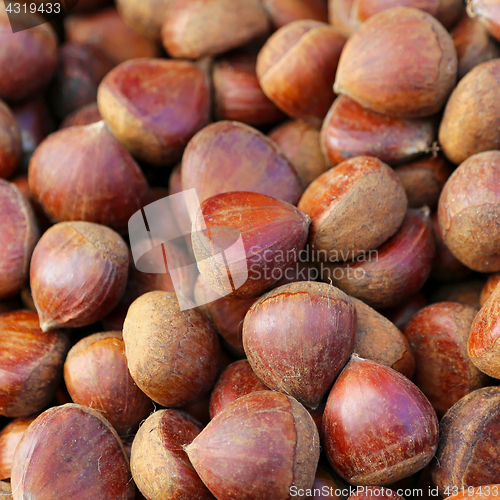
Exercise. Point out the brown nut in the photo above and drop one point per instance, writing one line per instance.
(424, 179)
(172, 355)
(71, 451)
(488, 288)
(86, 115)
(396, 270)
(468, 207)
(78, 274)
(390, 429)
(467, 453)
(155, 106)
(81, 68)
(160, 466)
(400, 315)
(237, 380)
(237, 93)
(108, 32)
(269, 234)
(484, 333)
(354, 208)
(371, 493)
(19, 234)
(187, 34)
(10, 141)
(229, 156)
(467, 291)
(28, 57)
(302, 353)
(471, 118)
(96, 375)
(301, 144)
(236, 464)
(5, 491)
(380, 340)
(296, 68)
(401, 62)
(144, 16)
(31, 364)
(438, 336)
(10, 436)
(446, 266)
(84, 173)
(473, 44)
(350, 130)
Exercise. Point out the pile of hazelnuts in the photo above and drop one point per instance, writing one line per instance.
(317, 314)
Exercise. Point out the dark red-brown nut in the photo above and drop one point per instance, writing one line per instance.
(144, 16)
(226, 313)
(378, 427)
(78, 274)
(350, 130)
(30, 364)
(81, 68)
(468, 454)
(35, 123)
(354, 208)
(471, 118)
(484, 335)
(488, 12)
(401, 314)
(259, 236)
(108, 32)
(424, 179)
(438, 336)
(71, 451)
(467, 291)
(303, 351)
(296, 68)
(96, 375)
(160, 467)
(10, 436)
(172, 354)
(393, 272)
(488, 288)
(371, 493)
(28, 57)
(263, 445)
(18, 234)
(380, 340)
(237, 92)
(155, 106)
(237, 380)
(446, 266)
(473, 44)
(193, 29)
(10, 141)
(86, 115)
(229, 156)
(84, 173)
(468, 209)
(401, 62)
(284, 12)
(301, 144)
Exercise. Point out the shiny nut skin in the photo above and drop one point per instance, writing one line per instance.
(71, 451)
(390, 430)
(10, 142)
(438, 336)
(31, 364)
(78, 274)
(302, 353)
